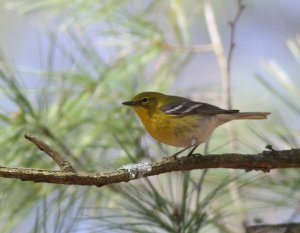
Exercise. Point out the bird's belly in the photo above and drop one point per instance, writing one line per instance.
(181, 131)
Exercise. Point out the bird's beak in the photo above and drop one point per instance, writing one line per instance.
(131, 103)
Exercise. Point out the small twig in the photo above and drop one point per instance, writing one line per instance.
(218, 50)
(63, 164)
(270, 147)
(232, 25)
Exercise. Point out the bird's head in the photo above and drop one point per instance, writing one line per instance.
(146, 102)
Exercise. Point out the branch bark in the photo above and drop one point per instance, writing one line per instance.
(273, 228)
(264, 161)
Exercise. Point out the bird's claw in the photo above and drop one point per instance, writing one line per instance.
(196, 154)
(174, 156)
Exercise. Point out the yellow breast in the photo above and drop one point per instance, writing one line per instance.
(172, 130)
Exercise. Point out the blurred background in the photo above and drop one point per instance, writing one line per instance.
(65, 68)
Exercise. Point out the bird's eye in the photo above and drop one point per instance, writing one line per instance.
(145, 100)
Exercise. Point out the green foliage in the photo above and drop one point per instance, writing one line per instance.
(101, 53)
(283, 134)
(174, 203)
(76, 107)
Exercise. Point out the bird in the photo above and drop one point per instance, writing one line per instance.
(181, 122)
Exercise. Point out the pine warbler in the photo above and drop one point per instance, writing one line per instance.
(181, 122)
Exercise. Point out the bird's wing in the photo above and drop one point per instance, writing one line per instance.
(190, 107)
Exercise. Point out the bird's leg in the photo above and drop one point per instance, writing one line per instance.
(179, 152)
(192, 150)
(206, 144)
(194, 144)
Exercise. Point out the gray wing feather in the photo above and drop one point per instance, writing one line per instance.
(191, 107)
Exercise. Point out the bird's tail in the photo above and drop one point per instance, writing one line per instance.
(251, 115)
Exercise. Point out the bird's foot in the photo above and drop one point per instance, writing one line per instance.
(270, 147)
(196, 154)
(192, 150)
(174, 156)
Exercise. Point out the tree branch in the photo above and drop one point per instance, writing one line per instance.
(264, 161)
(273, 228)
(63, 164)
